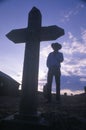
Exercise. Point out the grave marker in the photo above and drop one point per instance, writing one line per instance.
(32, 35)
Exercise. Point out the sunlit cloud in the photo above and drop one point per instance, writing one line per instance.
(74, 51)
(70, 92)
(63, 91)
(73, 68)
(83, 34)
(41, 74)
(75, 55)
(45, 51)
(72, 12)
(83, 79)
(8, 66)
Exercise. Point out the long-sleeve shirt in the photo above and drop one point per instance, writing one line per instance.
(54, 59)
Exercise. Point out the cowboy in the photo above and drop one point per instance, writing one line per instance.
(54, 60)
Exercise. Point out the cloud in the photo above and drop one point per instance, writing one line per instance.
(73, 82)
(69, 92)
(75, 55)
(45, 51)
(73, 68)
(69, 83)
(68, 14)
(83, 34)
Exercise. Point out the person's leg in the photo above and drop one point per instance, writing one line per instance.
(57, 79)
(49, 84)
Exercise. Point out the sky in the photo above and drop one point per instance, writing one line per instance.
(67, 14)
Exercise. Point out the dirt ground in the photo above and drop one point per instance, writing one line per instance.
(70, 112)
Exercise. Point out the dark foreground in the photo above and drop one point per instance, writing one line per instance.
(70, 113)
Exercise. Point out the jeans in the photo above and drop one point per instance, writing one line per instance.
(53, 71)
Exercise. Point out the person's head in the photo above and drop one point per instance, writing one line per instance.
(56, 46)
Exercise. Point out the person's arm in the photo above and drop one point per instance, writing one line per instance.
(61, 58)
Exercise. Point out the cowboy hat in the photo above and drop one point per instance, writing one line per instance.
(56, 46)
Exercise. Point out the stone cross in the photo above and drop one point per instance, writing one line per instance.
(32, 35)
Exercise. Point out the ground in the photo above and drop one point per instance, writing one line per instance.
(70, 113)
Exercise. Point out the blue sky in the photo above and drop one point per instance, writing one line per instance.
(69, 15)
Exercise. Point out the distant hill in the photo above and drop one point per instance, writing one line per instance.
(8, 86)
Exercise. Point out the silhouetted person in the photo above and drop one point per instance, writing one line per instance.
(53, 63)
